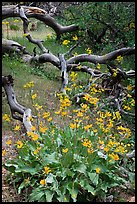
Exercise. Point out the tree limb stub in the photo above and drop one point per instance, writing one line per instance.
(64, 73)
(40, 14)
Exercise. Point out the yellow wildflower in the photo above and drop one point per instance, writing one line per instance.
(43, 182)
(34, 96)
(47, 169)
(46, 114)
(73, 125)
(16, 21)
(89, 51)
(17, 127)
(48, 35)
(19, 144)
(129, 87)
(43, 129)
(49, 119)
(65, 42)
(75, 37)
(119, 59)
(98, 170)
(4, 152)
(8, 142)
(35, 137)
(65, 150)
(33, 128)
(6, 117)
(98, 66)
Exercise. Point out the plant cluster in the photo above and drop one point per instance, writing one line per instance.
(77, 162)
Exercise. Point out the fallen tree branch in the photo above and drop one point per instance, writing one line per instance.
(15, 107)
(26, 31)
(40, 14)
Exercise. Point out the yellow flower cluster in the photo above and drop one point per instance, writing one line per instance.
(75, 37)
(5, 23)
(8, 142)
(74, 125)
(119, 59)
(89, 51)
(25, 34)
(98, 66)
(29, 85)
(43, 182)
(64, 104)
(34, 96)
(65, 150)
(115, 72)
(126, 132)
(37, 106)
(73, 76)
(87, 143)
(42, 128)
(19, 144)
(6, 118)
(37, 150)
(114, 156)
(90, 99)
(84, 107)
(33, 135)
(132, 25)
(98, 170)
(65, 42)
(17, 127)
(87, 127)
(47, 170)
(4, 152)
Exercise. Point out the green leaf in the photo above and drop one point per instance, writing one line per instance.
(81, 168)
(84, 184)
(30, 170)
(36, 195)
(51, 158)
(94, 178)
(73, 190)
(10, 167)
(22, 185)
(50, 178)
(49, 195)
(24, 153)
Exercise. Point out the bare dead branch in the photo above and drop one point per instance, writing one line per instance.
(40, 14)
(102, 59)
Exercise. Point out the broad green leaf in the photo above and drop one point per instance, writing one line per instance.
(51, 158)
(30, 170)
(84, 184)
(94, 178)
(36, 195)
(49, 195)
(10, 167)
(50, 178)
(81, 168)
(73, 190)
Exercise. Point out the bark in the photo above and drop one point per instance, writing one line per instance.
(39, 14)
(104, 59)
(64, 73)
(10, 46)
(18, 111)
